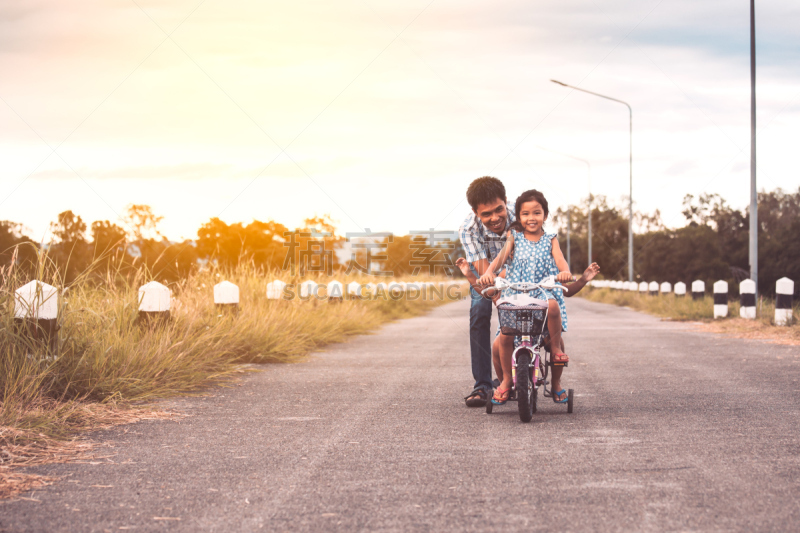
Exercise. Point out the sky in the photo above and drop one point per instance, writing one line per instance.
(381, 113)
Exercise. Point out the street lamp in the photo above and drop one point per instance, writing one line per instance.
(569, 214)
(630, 163)
(753, 245)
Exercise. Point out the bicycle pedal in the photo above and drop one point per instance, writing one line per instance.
(561, 365)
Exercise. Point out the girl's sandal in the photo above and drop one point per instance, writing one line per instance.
(555, 396)
(560, 358)
(500, 396)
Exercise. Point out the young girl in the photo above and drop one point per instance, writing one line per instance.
(536, 255)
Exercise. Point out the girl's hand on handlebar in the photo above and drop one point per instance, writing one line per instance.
(487, 279)
(564, 276)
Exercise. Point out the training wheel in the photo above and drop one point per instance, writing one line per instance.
(570, 397)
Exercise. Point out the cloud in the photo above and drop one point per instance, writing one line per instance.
(382, 129)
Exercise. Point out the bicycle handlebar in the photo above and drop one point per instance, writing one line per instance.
(548, 283)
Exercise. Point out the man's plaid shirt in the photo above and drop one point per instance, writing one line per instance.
(480, 243)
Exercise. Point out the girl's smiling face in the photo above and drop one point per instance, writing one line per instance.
(532, 217)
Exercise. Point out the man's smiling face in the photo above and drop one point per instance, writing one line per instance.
(493, 215)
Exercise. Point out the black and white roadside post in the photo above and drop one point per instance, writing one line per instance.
(354, 290)
(747, 299)
(666, 287)
(226, 296)
(381, 291)
(154, 303)
(653, 288)
(413, 290)
(275, 290)
(643, 286)
(335, 292)
(396, 290)
(308, 289)
(784, 290)
(680, 289)
(698, 289)
(372, 290)
(720, 299)
(36, 313)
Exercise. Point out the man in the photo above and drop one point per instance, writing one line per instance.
(483, 235)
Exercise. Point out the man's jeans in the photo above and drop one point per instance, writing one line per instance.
(480, 345)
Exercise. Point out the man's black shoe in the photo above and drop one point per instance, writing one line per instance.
(476, 398)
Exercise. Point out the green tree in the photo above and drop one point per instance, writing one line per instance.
(69, 248)
(16, 246)
(259, 242)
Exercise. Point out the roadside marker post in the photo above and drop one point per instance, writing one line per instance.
(643, 286)
(275, 290)
(308, 289)
(380, 289)
(335, 292)
(680, 289)
(354, 290)
(226, 296)
(372, 289)
(747, 299)
(413, 290)
(666, 287)
(36, 313)
(698, 289)
(653, 288)
(154, 303)
(720, 299)
(784, 291)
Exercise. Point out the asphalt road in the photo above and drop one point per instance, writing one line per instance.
(673, 430)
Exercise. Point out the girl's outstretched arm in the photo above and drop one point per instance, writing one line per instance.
(488, 276)
(561, 263)
(588, 275)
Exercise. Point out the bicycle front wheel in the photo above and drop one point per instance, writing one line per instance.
(526, 393)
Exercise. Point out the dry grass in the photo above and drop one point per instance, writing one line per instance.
(701, 314)
(21, 448)
(106, 361)
(752, 329)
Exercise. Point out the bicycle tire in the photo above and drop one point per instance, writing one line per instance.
(525, 390)
(570, 396)
(489, 405)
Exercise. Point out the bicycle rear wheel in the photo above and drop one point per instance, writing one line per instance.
(526, 393)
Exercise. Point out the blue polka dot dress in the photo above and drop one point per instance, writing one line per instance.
(533, 262)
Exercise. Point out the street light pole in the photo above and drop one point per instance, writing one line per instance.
(630, 166)
(753, 249)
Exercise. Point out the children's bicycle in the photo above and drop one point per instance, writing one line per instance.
(525, 316)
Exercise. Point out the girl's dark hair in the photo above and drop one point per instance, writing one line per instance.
(485, 190)
(527, 196)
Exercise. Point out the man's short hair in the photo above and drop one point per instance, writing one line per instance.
(485, 190)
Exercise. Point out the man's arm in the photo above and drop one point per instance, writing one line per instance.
(488, 277)
(473, 247)
(480, 266)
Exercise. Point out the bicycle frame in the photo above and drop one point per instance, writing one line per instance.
(526, 341)
(526, 345)
(533, 351)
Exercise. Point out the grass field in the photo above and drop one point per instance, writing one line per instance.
(108, 365)
(669, 306)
